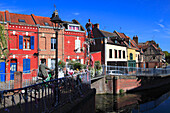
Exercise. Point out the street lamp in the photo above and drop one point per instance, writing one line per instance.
(56, 20)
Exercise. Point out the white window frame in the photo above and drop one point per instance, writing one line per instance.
(78, 45)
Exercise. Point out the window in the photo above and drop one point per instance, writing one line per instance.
(46, 24)
(115, 41)
(21, 20)
(131, 56)
(115, 53)
(71, 27)
(26, 42)
(77, 44)
(123, 54)
(52, 63)
(120, 54)
(53, 43)
(26, 65)
(110, 53)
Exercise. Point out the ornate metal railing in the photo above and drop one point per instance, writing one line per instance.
(45, 96)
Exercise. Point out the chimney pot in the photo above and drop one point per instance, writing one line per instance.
(96, 25)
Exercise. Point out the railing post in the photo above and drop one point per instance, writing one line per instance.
(26, 101)
(56, 94)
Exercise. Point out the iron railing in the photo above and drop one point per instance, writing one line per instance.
(122, 70)
(42, 97)
(28, 78)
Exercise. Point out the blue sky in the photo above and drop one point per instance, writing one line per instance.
(149, 19)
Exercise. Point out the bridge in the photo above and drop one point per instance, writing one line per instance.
(126, 79)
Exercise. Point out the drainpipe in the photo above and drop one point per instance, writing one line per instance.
(105, 54)
(38, 26)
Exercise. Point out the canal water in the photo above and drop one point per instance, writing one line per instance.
(150, 101)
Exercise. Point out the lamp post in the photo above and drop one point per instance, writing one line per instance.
(56, 20)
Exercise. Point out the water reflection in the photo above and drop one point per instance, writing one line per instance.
(157, 100)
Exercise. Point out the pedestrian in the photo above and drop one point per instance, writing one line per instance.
(43, 70)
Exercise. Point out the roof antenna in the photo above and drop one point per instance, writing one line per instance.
(55, 6)
(120, 29)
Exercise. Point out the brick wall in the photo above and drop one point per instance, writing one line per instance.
(45, 35)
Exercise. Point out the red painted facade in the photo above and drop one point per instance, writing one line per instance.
(22, 45)
(70, 38)
(96, 56)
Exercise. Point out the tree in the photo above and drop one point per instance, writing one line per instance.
(4, 52)
(61, 64)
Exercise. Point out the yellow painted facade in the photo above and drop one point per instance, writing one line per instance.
(133, 51)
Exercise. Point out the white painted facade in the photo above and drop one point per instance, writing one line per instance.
(115, 47)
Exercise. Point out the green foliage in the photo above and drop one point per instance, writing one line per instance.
(61, 64)
(76, 65)
(121, 91)
(97, 65)
(167, 56)
(3, 43)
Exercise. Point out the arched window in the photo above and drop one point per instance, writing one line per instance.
(131, 56)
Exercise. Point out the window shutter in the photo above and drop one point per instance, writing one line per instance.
(32, 42)
(24, 65)
(76, 44)
(28, 65)
(79, 45)
(20, 42)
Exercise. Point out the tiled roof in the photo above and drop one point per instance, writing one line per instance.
(122, 35)
(42, 20)
(108, 34)
(14, 18)
(2, 16)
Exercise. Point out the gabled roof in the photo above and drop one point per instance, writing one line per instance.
(108, 34)
(128, 41)
(14, 18)
(42, 20)
(74, 22)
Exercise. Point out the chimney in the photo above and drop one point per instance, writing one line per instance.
(135, 38)
(7, 15)
(96, 25)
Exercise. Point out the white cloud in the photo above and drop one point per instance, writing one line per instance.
(161, 25)
(156, 30)
(76, 13)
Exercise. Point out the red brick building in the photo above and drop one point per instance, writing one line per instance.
(32, 39)
(70, 37)
(47, 41)
(22, 44)
(74, 37)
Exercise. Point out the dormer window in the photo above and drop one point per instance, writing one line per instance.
(72, 27)
(46, 24)
(21, 20)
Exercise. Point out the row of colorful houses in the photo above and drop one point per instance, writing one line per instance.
(118, 49)
(32, 39)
